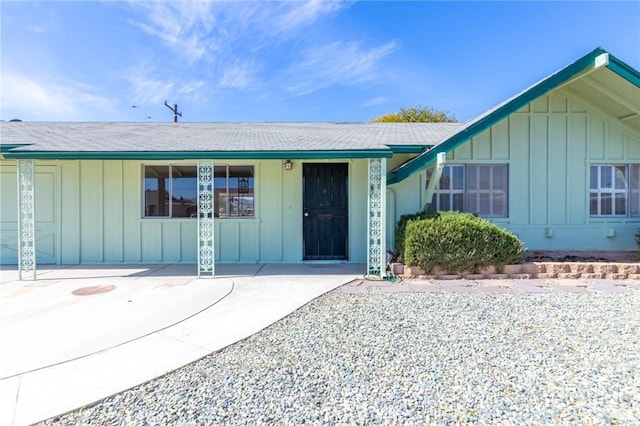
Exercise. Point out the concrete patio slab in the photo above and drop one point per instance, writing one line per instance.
(47, 313)
(61, 388)
(9, 389)
(66, 351)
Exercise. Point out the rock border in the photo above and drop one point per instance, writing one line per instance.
(541, 270)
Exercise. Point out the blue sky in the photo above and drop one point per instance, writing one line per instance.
(293, 60)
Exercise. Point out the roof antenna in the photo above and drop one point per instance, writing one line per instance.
(176, 113)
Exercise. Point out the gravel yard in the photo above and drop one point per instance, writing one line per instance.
(555, 358)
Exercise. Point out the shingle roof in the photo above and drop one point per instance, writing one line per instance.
(84, 138)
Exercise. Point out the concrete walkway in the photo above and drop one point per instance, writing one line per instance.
(79, 334)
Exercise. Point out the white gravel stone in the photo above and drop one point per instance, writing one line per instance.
(412, 358)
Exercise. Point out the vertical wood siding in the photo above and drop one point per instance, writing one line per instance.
(548, 145)
(90, 211)
(46, 215)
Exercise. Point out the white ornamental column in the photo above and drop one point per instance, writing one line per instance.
(376, 220)
(26, 220)
(206, 259)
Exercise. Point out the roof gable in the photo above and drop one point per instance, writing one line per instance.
(594, 60)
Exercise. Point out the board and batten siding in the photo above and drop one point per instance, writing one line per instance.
(46, 219)
(549, 146)
(90, 211)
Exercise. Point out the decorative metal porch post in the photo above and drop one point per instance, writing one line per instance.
(206, 258)
(376, 221)
(26, 220)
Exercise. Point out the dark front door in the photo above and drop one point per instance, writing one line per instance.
(325, 211)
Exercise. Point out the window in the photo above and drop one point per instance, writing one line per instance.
(614, 190)
(233, 191)
(481, 189)
(172, 191)
(449, 194)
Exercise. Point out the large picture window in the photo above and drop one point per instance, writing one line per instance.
(614, 190)
(171, 191)
(476, 188)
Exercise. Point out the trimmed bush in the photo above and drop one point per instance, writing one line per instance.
(401, 227)
(459, 242)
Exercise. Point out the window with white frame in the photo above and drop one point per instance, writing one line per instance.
(449, 194)
(476, 188)
(171, 191)
(614, 190)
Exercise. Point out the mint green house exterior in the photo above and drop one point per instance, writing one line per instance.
(570, 145)
(557, 164)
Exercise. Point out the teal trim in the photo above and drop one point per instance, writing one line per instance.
(409, 149)
(8, 147)
(488, 119)
(196, 155)
(624, 70)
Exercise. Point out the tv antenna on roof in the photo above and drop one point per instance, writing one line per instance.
(173, 108)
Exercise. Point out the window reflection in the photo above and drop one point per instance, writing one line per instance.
(234, 191)
(172, 191)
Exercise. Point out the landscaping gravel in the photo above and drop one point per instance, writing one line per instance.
(554, 358)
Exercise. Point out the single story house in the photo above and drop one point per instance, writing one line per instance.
(557, 164)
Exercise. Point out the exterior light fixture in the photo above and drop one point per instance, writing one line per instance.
(288, 165)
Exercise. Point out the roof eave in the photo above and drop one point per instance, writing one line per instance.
(624, 70)
(572, 71)
(410, 149)
(197, 155)
(6, 147)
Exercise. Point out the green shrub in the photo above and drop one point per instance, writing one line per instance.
(401, 228)
(458, 242)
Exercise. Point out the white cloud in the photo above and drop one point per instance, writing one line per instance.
(201, 30)
(146, 88)
(149, 90)
(304, 13)
(29, 99)
(335, 63)
(192, 89)
(39, 20)
(35, 28)
(374, 102)
(239, 75)
(234, 44)
(183, 26)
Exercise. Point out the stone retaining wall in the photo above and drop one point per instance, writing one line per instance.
(542, 270)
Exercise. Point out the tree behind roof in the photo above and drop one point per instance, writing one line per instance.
(416, 115)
